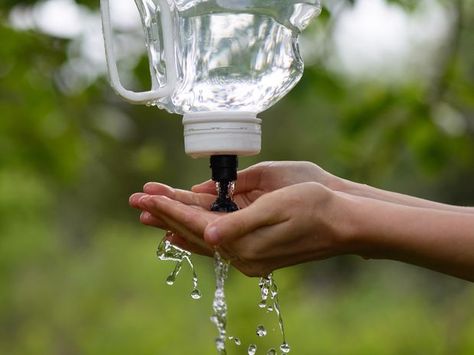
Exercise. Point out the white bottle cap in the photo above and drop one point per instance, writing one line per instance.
(218, 133)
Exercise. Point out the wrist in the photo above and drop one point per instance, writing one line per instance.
(339, 184)
(347, 224)
(332, 182)
(354, 225)
(350, 187)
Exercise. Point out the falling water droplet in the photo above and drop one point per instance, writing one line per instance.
(196, 294)
(262, 304)
(270, 308)
(261, 331)
(271, 352)
(170, 280)
(252, 349)
(285, 348)
(235, 339)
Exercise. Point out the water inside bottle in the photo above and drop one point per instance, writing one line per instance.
(231, 55)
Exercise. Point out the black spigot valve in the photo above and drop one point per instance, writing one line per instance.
(224, 173)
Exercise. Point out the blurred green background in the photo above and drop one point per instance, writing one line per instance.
(387, 99)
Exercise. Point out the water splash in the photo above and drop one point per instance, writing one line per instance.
(169, 252)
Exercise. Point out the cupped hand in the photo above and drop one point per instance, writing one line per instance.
(265, 177)
(195, 203)
(284, 227)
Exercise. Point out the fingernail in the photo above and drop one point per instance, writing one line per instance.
(212, 235)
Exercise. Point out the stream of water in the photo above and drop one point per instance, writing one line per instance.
(268, 288)
(268, 292)
(269, 301)
(219, 305)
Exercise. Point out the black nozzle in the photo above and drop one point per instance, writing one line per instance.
(224, 171)
(224, 167)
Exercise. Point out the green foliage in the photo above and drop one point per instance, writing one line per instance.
(79, 274)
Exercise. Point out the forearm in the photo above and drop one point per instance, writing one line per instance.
(362, 190)
(436, 239)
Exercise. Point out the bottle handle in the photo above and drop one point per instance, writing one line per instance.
(168, 46)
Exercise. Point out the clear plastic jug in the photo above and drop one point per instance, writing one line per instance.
(219, 63)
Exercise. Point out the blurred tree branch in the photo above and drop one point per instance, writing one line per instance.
(450, 70)
(448, 58)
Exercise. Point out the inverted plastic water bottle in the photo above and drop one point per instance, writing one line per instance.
(218, 63)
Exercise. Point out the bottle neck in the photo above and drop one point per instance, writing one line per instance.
(216, 133)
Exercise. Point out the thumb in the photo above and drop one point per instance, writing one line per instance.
(261, 213)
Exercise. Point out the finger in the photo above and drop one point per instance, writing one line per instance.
(207, 187)
(135, 198)
(189, 221)
(248, 179)
(148, 219)
(261, 213)
(156, 188)
(264, 242)
(170, 210)
(203, 200)
(191, 238)
(182, 243)
(263, 267)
